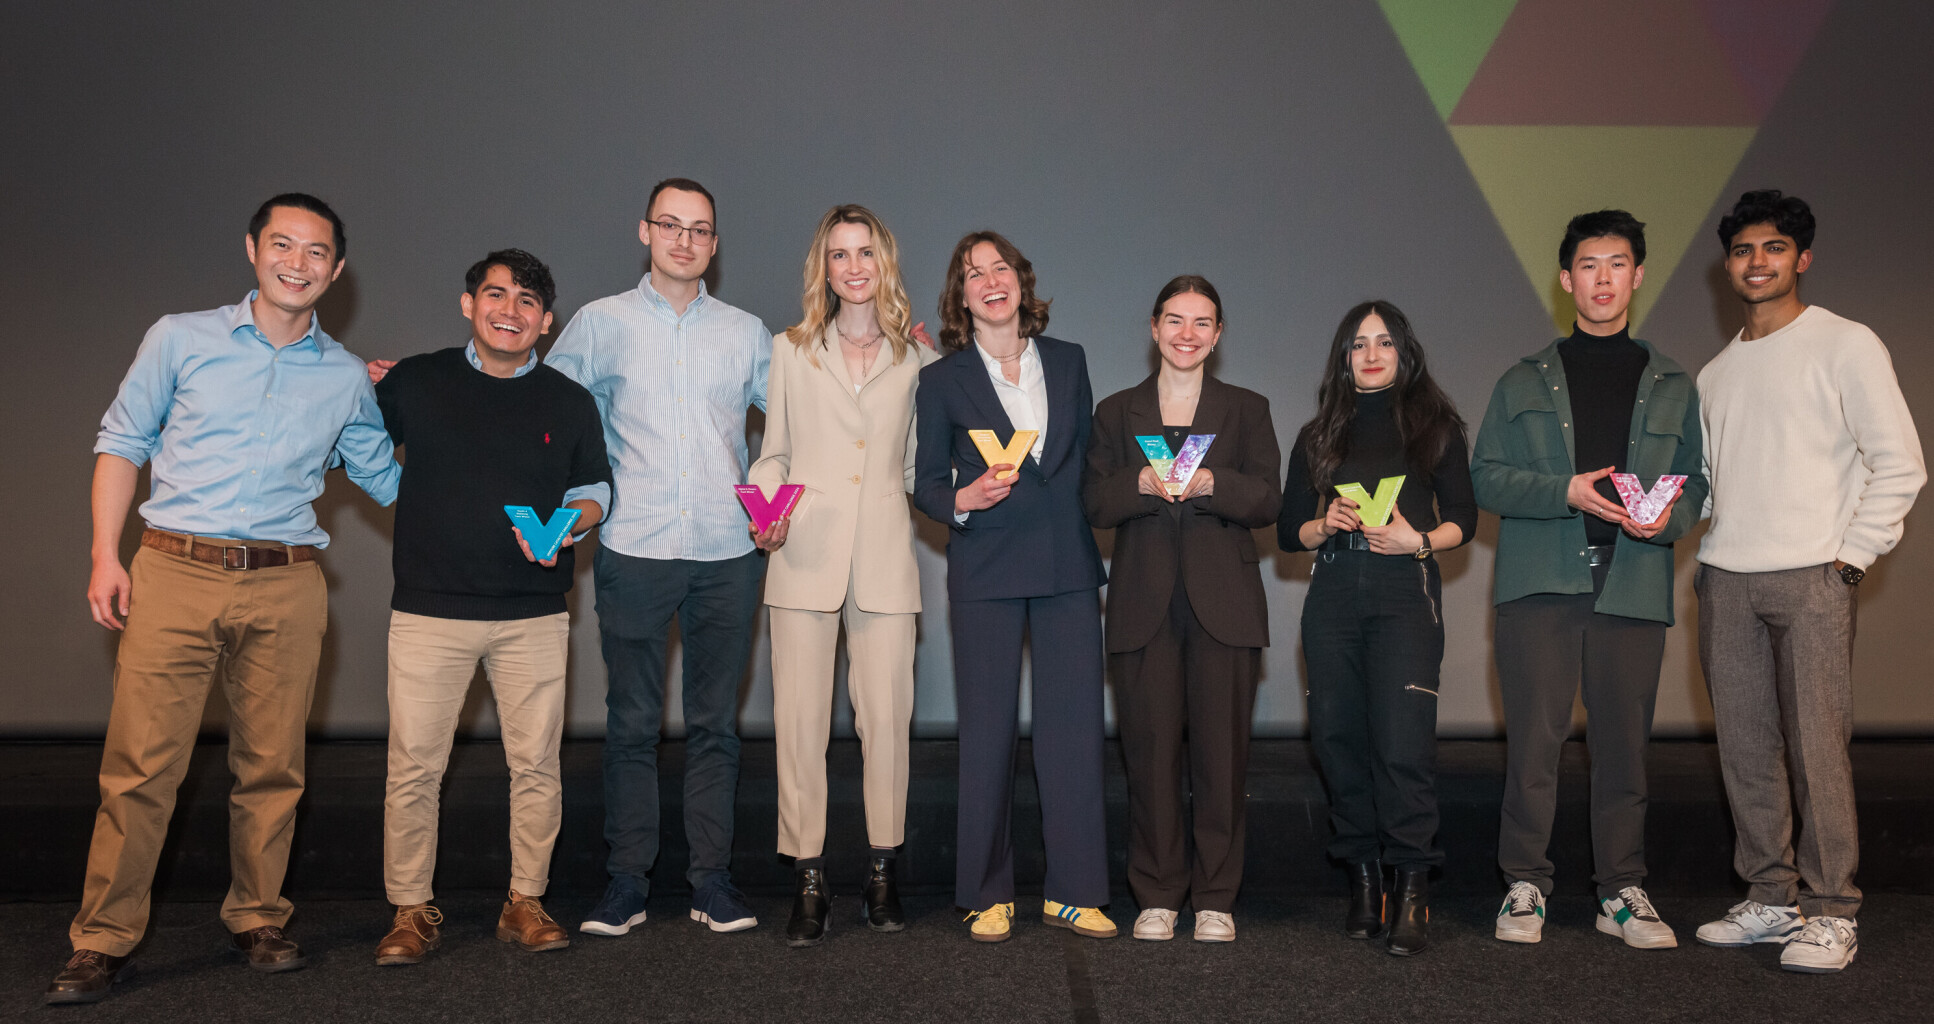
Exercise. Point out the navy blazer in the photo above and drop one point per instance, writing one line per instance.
(1036, 542)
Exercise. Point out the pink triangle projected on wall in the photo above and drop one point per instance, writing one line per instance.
(1764, 41)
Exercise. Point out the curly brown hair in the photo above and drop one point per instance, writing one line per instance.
(956, 326)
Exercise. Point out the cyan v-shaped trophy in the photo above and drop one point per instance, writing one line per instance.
(764, 513)
(544, 538)
(1374, 511)
(1176, 468)
(1643, 506)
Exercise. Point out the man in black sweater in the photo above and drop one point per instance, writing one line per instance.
(483, 426)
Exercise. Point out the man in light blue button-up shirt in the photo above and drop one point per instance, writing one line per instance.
(238, 411)
(673, 371)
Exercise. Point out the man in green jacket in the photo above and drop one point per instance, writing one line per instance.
(1583, 589)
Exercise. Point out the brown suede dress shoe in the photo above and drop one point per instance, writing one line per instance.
(268, 951)
(412, 935)
(88, 977)
(525, 923)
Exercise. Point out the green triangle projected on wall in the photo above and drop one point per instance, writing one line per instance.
(1559, 108)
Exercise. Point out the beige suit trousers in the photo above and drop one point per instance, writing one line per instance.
(431, 662)
(262, 628)
(879, 680)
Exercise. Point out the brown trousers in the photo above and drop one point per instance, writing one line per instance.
(262, 628)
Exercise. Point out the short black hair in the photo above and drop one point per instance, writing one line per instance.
(1789, 215)
(1602, 224)
(683, 185)
(527, 270)
(300, 201)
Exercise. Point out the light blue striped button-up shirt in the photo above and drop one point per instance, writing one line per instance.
(241, 432)
(673, 392)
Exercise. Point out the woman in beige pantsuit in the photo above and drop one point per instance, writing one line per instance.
(840, 423)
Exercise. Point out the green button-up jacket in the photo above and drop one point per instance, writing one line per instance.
(1525, 458)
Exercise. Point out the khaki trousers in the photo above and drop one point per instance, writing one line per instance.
(879, 680)
(263, 628)
(431, 662)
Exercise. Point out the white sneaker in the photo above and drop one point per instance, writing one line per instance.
(1522, 917)
(1750, 922)
(1630, 916)
(1824, 946)
(1155, 925)
(1214, 926)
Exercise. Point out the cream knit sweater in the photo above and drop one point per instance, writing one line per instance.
(1810, 448)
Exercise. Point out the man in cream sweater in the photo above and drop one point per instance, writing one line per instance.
(1814, 462)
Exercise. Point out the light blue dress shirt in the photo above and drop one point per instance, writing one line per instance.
(672, 391)
(240, 432)
(599, 492)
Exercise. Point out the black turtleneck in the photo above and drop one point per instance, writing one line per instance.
(1602, 374)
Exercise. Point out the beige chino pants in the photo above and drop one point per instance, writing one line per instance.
(431, 662)
(263, 629)
(879, 680)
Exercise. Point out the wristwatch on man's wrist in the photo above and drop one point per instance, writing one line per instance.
(1851, 575)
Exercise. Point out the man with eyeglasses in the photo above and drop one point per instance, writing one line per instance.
(672, 370)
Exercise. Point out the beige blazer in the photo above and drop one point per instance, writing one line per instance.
(854, 455)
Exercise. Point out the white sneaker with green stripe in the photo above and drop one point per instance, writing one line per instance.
(1522, 917)
(1630, 916)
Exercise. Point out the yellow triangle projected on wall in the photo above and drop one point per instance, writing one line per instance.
(1547, 104)
(1537, 176)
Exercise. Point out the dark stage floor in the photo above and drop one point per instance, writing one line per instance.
(1290, 962)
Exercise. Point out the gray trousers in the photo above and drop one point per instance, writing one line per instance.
(1548, 645)
(1777, 648)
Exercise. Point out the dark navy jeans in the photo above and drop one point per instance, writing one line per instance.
(715, 603)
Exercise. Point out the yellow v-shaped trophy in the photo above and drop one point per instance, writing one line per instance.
(1374, 511)
(990, 449)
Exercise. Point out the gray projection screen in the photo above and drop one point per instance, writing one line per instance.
(1303, 156)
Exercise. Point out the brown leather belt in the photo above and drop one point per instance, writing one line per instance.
(228, 556)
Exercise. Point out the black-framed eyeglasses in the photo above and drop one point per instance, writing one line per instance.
(669, 230)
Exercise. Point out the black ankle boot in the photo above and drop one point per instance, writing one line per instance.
(1410, 912)
(810, 905)
(1366, 901)
(883, 913)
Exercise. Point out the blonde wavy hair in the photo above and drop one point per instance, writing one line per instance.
(821, 305)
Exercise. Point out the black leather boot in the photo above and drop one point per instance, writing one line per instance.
(1410, 912)
(810, 904)
(883, 913)
(1366, 901)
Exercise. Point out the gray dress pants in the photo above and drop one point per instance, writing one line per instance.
(1777, 648)
(1548, 645)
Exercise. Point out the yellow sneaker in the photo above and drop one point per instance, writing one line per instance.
(1089, 921)
(995, 924)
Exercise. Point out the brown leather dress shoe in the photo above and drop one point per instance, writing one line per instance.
(412, 935)
(525, 923)
(88, 977)
(268, 951)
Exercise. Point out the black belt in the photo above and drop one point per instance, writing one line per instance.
(1598, 554)
(1346, 540)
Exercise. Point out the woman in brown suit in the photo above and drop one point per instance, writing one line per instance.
(840, 422)
(1186, 616)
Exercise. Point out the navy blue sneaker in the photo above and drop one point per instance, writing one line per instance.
(720, 907)
(621, 907)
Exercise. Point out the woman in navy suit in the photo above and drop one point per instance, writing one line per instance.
(1021, 561)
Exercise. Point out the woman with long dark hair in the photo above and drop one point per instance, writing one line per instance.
(1187, 620)
(1378, 482)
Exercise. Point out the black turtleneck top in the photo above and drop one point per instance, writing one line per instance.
(1431, 494)
(1602, 374)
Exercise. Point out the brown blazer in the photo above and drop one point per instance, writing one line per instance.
(1210, 537)
(854, 455)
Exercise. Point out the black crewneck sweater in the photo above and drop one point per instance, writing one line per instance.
(474, 443)
(1602, 375)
